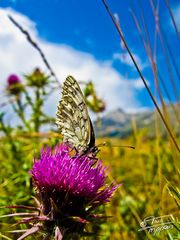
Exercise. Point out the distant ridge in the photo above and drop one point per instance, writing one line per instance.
(118, 123)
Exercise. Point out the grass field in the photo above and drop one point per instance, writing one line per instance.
(149, 194)
(143, 172)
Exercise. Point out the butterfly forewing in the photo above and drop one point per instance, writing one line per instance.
(72, 117)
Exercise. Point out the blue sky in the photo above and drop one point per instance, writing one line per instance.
(79, 38)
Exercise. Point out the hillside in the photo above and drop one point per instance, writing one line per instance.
(119, 123)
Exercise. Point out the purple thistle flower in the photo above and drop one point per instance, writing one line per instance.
(69, 188)
(14, 84)
(58, 171)
(13, 79)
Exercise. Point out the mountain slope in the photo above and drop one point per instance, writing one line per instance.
(119, 123)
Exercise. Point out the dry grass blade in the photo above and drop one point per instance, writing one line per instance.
(169, 97)
(35, 45)
(173, 20)
(158, 29)
(152, 60)
(170, 53)
(144, 81)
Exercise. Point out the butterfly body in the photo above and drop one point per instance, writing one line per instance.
(73, 120)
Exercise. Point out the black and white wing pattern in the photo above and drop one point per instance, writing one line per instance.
(72, 118)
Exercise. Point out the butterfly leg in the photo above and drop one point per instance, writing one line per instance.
(70, 148)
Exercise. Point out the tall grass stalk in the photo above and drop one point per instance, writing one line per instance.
(172, 18)
(36, 46)
(158, 29)
(154, 67)
(144, 81)
(152, 59)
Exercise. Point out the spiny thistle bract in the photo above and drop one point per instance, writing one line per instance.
(95, 103)
(37, 79)
(68, 189)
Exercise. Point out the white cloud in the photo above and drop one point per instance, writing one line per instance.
(126, 59)
(18, 56)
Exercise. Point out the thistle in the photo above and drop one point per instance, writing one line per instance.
(95, 103)
(37, 79)
(14, 85)
(68, 190)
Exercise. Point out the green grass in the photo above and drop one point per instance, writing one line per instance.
(149, 174)
(142, 172)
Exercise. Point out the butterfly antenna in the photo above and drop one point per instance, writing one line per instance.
(124, 146)
(109, 144)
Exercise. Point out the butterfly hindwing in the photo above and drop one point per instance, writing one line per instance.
(72, 117)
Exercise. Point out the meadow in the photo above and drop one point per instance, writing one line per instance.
(148, 174)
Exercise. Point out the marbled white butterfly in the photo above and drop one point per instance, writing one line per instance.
(73, 120)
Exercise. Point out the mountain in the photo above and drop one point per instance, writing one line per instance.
(120, 124)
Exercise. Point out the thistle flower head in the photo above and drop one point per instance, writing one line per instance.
(13, 79)
(37, 79)
(95, 103)
(69, 188)
(14, 85)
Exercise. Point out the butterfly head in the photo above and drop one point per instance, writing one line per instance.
(91, 151)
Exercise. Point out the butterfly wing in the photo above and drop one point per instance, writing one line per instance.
(72, 117)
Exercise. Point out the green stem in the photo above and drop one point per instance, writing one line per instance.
(37, 110)
(20, 112)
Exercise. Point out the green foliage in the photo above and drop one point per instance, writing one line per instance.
(144, 191)
(94, 103)
(148, 174)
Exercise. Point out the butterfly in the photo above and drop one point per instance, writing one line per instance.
(73, 120)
